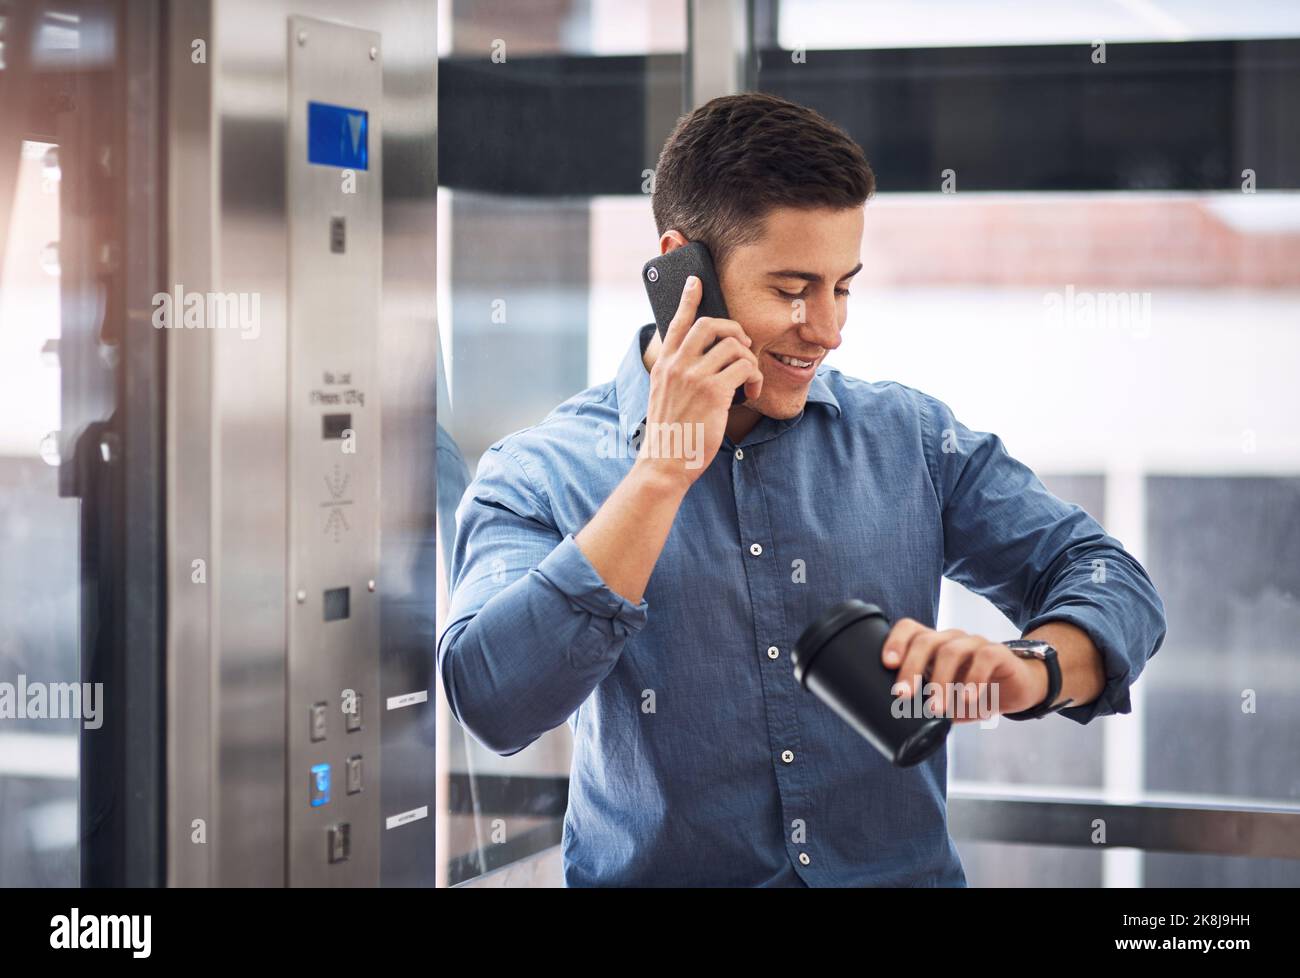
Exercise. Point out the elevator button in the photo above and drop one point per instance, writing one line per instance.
(354, 717)
(320, 785)
(336, 603)
(354, 774)
(334, 425)
(340, 842)
(318, 711)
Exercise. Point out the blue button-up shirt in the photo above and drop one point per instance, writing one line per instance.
(697, 758)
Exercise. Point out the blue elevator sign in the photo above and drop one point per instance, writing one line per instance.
(336, 135)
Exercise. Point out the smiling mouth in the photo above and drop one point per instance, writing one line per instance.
(796, 362)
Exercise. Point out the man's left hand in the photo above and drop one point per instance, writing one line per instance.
(924, 655)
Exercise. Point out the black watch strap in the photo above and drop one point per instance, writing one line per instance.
(1027, 649)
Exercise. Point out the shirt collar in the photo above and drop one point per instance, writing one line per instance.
(633, 382)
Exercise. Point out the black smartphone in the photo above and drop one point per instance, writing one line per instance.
(665, 277)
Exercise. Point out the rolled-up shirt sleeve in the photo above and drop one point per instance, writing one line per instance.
(533, 628)
(1039, 558)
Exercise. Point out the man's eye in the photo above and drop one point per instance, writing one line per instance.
(801, 295)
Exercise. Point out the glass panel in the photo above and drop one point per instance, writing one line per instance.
(39, 584)
(62, 272)
(1081, 263)
(901, 23)
(543, 225)
(1222, 714)
(1060, 754)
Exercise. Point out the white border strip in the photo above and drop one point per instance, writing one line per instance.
(414, 815)
(408, 699)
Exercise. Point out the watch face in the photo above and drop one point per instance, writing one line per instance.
(1028, 647)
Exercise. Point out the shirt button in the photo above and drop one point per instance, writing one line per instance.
(787, 756)
(756, 548)
(803, 858)
(773, 651)
(740, 453)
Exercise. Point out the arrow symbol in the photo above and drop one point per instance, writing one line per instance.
(338, 485)
(354, 123)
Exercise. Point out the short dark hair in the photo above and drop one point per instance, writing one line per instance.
(735, 158)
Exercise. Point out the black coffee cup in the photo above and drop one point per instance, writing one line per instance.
(838, 658)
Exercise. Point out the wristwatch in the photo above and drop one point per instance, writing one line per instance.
(1029, 648)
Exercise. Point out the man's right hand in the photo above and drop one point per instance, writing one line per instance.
(691, 391)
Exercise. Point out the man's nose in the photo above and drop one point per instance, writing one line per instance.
(822, 326)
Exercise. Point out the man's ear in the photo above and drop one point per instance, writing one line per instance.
(671, 240)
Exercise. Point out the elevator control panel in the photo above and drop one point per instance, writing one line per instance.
(334, 204)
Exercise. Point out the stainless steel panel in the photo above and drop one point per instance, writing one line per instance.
(541, 870)
(191, 460)
(335, 258)
(230, 674)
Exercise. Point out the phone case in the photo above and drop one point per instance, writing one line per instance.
(665, 276)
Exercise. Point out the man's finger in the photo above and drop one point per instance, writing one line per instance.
(897, 639)
(950, 658)
(741, 371)
(724, 353)
(708, 332)
(980, 673)
(684, 318)
(916, 656)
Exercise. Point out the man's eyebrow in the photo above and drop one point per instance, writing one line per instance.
(812, 276)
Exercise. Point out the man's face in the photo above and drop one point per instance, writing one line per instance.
(789, 292)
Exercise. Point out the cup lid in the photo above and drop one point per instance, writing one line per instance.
(816, 636)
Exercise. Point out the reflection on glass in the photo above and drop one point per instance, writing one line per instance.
(39, 586)
(1112, 332)
(864, 24)
(1143, 332)
(527, 248)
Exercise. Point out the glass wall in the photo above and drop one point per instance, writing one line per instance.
(39, 582)
(551, 117)
(1087, 240)
(68, 423)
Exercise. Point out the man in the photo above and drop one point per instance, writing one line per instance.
(652, 598)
